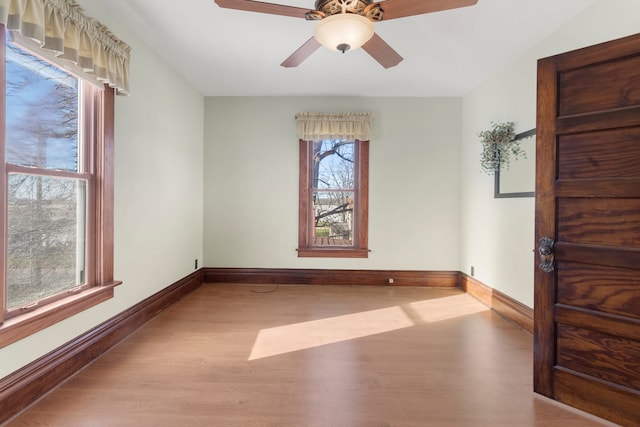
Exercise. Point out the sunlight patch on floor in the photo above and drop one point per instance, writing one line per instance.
(436, 310)
(315, 333)
(301, 336)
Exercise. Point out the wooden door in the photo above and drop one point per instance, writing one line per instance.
(587, 309)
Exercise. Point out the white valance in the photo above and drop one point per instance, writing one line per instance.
(319, 126)
(61, 27)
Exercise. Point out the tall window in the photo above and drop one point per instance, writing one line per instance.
(55, 192)
(333, 198)
(333, 209)
(333, 190)
(47, 162)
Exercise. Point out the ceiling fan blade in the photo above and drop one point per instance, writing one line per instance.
(400, 8)
(302, 53)
(382, 52)
(262, 7)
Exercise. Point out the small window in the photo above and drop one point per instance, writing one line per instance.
(333, 198)
(56, 193)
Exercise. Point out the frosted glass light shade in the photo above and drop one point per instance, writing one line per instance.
(343, 29)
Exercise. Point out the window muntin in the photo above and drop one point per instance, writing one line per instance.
(333, 198)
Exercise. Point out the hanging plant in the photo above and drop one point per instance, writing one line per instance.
(498, 147)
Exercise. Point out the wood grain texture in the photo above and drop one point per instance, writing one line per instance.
(604, 154)
(443, 360)
(578, 94)
(512, 310)
(598, 187)
(19, 390)
(400, 8)
(595, 287)
(332, 277)
(579, 391)
(599, 221)
(25, 386)
(545, 207)
(302, 53)
(106, 164)
(605, 357)
(597, 121)
(304, 195)
(587, 328)
(379, 50)
(362, 190)
(598, 321)
(597, 254)
(22, 326)
(263, 7)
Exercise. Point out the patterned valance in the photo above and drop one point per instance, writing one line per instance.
(60, 26)
(319, 126)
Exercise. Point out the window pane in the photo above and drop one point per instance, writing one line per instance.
(42, 113)
(46, 236)
(333, 165)
(333, 218)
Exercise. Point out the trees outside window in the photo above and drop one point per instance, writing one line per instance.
(56, 192)
(47, 180)
(333, 198)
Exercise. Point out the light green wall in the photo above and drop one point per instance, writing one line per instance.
(498, 234)
(251, 182)
(158, 193)
(430, 207)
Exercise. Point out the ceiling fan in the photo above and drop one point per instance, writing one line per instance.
(348, 24)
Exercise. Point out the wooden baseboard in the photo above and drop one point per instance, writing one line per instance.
(332, 277)
(25, 386)
(512, 310)
(30, 383)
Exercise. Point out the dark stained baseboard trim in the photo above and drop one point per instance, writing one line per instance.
(331, 277)
(512, 310)
(25, 386)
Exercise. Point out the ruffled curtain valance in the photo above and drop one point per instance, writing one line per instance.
(319, 126)
(61, 27)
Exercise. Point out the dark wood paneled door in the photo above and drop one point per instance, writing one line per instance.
(587, 287)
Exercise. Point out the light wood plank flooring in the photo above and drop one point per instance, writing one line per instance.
(238, 355)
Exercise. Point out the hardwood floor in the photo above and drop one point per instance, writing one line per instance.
(239, 355)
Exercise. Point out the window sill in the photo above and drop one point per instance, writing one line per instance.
(23, 325)
(332, 253)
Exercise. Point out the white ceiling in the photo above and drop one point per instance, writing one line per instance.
(225, 52)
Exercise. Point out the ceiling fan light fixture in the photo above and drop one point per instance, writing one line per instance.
(343, 31)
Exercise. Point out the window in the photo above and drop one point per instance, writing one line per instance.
(56, 151)
(333, 198)
(334, 184)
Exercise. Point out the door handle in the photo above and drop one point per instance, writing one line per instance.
(545, 251)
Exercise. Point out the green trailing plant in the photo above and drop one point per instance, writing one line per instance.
(499, 147)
